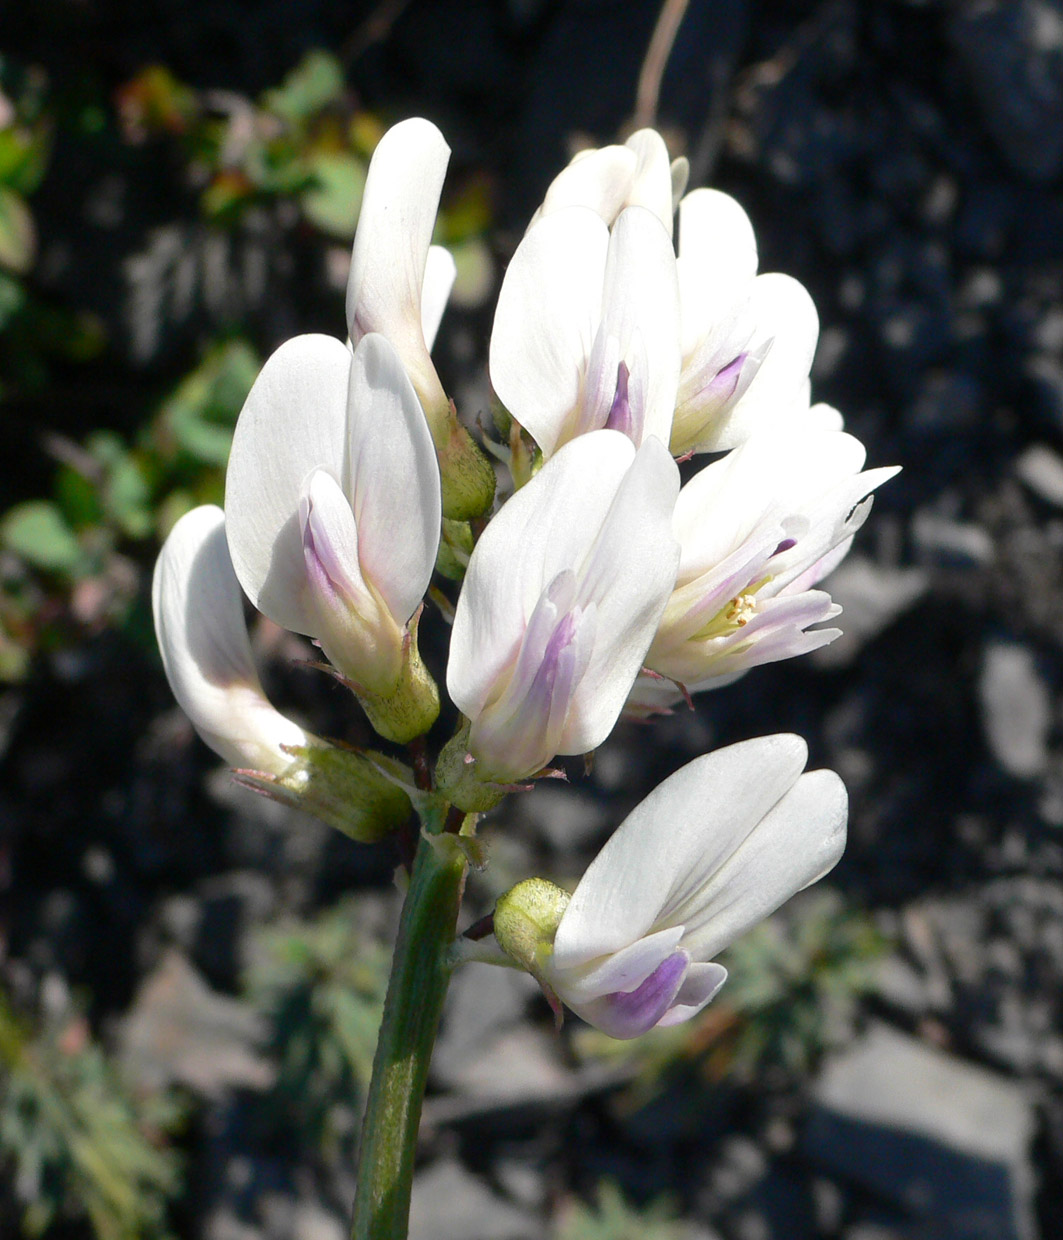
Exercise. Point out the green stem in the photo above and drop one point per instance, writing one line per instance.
(418, 985)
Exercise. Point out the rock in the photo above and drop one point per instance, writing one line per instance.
(450, 1204)
(519, 1067)
(483, 1002)
(312, 1222)
(1016, 708)
(231, 905)
(179, 1031)
(1013, 55)
(567, 817)
(871, 596)
(1041, 470)
(942, 540)
(944, 1139)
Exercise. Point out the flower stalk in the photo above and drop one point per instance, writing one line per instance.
(420, 973)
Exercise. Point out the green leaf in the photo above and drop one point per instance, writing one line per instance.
(18, 237)
(37, 531)
(23, 158)
(314, 83)
(12, 298)
(332, 200)
(201, 412)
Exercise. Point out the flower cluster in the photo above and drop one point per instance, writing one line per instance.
(599, 586)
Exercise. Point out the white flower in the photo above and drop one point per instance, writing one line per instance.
(199, 624)
(614, 177)
(333, 502)
(586, 331)
(709, 853)
(747, 340)
(559, 604)
(758, 528)
(399, 283)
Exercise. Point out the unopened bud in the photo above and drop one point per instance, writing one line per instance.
(358, 793)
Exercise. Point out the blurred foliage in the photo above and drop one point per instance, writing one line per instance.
(300, 140)
(303, 142)
(794, 983)
(612, 1218)
(76, 1141)
(322, 984)
(68, 563)
(32, 330)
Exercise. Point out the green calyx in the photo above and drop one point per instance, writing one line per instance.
(411, 708)
(525, 923)
(458, 777)
(358, 792)
(466, 475)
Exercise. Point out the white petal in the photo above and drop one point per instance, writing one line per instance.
(390, 252)
(766, 479)
(440, 272)
(598, 179)
(785, 313)
(548, 526)
(669, 847)
(546, 319)
(628, 576)
(680, 176)
(627, 1014)
(402, 189)
(394, 484)
(699, 988)
(795, 844)
(640, 305)
(292, 422)
(330, 547)
(717, 246)
(620, 971)
(199, 624)
(651, 185)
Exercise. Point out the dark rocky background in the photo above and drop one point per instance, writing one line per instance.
(902, 159)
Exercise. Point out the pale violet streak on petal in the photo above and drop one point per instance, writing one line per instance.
(620, 415)
(398, 213)
(294, 420)
(599, 387)
(440, 272)
(330, 547)
(620, 970)
(517, 734)
(670, 845)
(548, 526)
(795, 844)
(822, 567)
(700, 986)
(393, 484)
(545, 322)
(697, 602)
(550, 611)
(640, 307)
(833, 518)
(629, 1014)
(783, 310)
(199, 625)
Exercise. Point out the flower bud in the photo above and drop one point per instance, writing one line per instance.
(347, 789)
